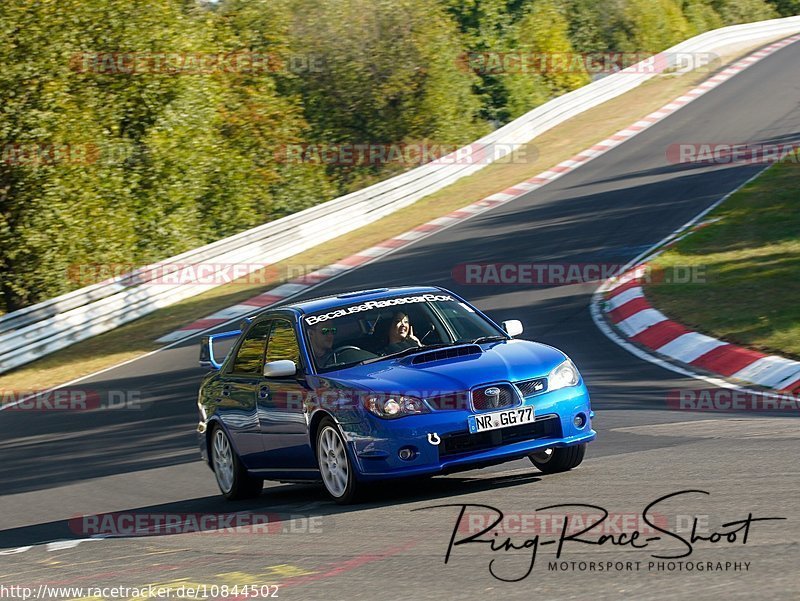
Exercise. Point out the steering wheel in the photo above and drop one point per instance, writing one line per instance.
(347, 347)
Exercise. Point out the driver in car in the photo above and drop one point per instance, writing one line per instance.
(321, 339)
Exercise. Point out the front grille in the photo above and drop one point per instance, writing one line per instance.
(532, 387)
(546, 426)
(485, 402)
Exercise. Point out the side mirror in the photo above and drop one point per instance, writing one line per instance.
(280, 369)
(207, 358)
(513, 327)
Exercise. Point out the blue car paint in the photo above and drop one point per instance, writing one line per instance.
(373, 442)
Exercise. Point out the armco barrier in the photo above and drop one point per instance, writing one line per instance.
(35, 331)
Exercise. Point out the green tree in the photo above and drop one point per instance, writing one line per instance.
(176, 160)
(488, 29)
(701, 16)
(58, 211)
(786, 8)
(545, 31)
(389, 73)
(100, 165)
(589, 23)
(744, 11)
(650, 25)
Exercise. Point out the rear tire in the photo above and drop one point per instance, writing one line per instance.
(337, 471)
(559, 459)
(232, 478)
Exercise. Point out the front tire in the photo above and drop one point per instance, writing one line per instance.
(232, 478)
(338, 472)
(559, 459)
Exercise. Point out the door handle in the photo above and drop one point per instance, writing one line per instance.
(263, 392)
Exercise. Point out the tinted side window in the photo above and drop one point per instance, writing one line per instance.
(283, 343)
(250, 357)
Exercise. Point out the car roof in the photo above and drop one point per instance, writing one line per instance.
(348, 298)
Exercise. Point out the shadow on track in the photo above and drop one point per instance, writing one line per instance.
(277, 511)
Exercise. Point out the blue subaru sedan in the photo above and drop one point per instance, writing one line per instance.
(379, 384)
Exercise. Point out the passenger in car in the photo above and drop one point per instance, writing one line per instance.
(400, 335)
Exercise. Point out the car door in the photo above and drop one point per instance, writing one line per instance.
(237, 387)
(281, 404)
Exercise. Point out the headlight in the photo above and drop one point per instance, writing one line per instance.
(390, 407)
(562, 376)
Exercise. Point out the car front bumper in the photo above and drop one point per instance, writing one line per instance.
(376, 443)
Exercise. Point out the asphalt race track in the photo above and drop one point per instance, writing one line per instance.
(58, 465)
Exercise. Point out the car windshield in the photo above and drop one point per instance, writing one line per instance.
(392, 326)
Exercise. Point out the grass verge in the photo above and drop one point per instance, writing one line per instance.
(560, 143)
(748, 263)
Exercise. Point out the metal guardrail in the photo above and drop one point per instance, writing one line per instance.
(38, 330)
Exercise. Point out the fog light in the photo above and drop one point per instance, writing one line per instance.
(407, 453)
(580, 420)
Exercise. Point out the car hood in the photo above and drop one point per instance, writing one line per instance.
(512, 360)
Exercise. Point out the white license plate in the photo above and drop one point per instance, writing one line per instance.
(500, 419)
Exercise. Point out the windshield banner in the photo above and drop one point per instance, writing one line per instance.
(377, 304)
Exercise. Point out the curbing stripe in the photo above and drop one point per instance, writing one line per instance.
(768, 371)
(526, 186)
(727, 360)
(410, 235)
(287, 289)
(625, 310)
(500, 196)
(208, 322)
(180, 334)
(374, 251)
(660, 334)
(629, 309)
(262, 300)
(689, 346)
(233, 311)
(351, 261)
(628, 294)
(792, 388)
(623, 286)
(640, 321)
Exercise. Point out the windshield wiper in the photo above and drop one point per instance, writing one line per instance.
(492, 338)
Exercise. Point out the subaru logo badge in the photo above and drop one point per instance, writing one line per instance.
(493, 395)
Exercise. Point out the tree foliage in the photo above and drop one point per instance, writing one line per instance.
(387, 74)
(102, 166)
